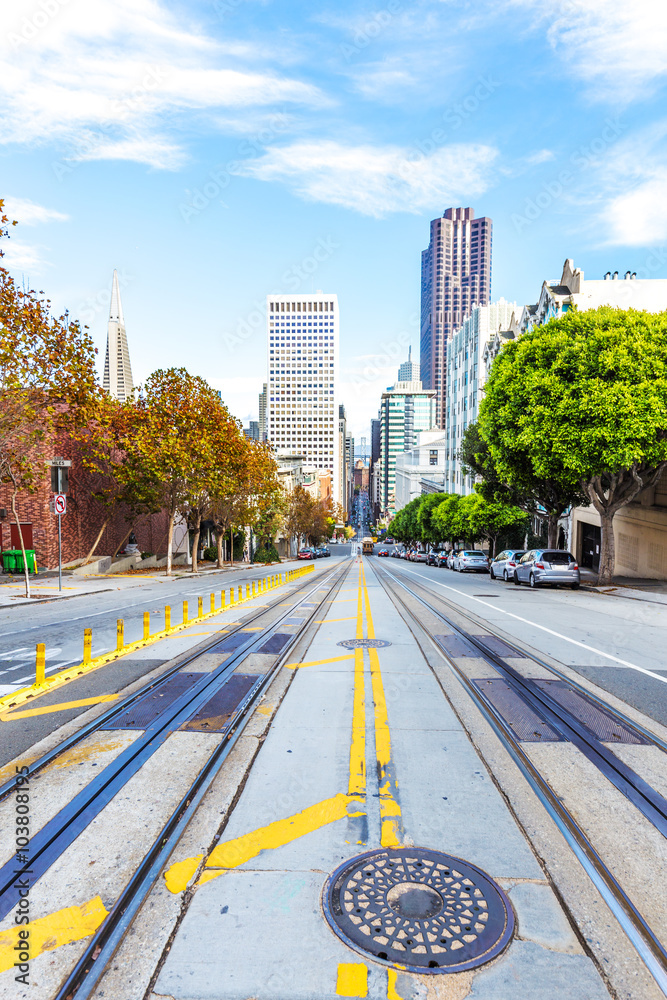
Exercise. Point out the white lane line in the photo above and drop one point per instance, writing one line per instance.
(559, 635)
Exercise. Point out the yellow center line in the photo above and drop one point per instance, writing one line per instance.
(390, 810)
(62, 707)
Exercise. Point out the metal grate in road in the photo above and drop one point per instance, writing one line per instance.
(526, 724)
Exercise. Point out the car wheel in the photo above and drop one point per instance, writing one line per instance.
(492, 574)
(516, 580)
(532, 581)
(505, 576)
(575, 586)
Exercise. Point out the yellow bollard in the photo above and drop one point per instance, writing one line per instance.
(222, 600)
(147, 624)
(120, 633)
(87, 644)
(231, 597)
(185, 612)
(40, 663)
(254, 588)
(212, 603)
(200, 607)
(167, 617)
(247, 591)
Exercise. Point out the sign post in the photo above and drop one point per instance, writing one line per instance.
(59, 484)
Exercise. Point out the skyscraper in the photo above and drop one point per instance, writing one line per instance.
(117, 369)
(262, 413)
(302, 339)
(456, 276)
(408, 371)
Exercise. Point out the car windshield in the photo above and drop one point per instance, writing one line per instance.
(558, 557)
(517, 554)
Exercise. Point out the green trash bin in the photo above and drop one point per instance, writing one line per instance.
(30, 559)
(8, 561)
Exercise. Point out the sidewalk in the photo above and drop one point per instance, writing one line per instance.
(44, 586)
(632, 588)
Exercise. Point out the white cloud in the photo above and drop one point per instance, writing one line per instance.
(122, 67)
(30, 214)
(18, 256)
(377, 180)
(616, 47)
(632, 180)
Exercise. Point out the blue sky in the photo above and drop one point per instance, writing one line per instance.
(213, 152)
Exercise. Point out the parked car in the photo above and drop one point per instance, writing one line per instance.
(383, 552)
(432, 557)
(504, 564)
(324, 551)
(395, 552)
(471, 561)
(389, 541)
(403, 554)
(306, 554)
(451, 557)
(547, 566)
(442, 558)
(418, 556)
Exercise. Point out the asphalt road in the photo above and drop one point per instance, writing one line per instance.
(60, 624)
(617, 643)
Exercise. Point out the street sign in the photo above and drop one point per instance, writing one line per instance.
(62, 463)
(60, 503)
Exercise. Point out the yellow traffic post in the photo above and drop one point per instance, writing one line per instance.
(254, 588)
(147, 625)
(212, 603)
(87, 645)
(231, 597)
(40, 663)
(247, 591)
(167, 617)
(222, 600)
(200, 607)
(185, 612)
(120, 633)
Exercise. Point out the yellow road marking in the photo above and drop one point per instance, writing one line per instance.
(316, 663)
(325, 621)
(390, 810)
(357, 779)
(253, 628)
(179, 874)
(352, 980)
(392, 993)
(9, 716)
(47, 933)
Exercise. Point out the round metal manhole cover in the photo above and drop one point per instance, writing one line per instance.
(421, 910)
(364, 643)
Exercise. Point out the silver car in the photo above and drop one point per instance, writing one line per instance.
(552, 566)
(471, 560)
(504, 564)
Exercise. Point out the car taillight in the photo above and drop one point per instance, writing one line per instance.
(509, 563)
(574, 566)
(539, 565)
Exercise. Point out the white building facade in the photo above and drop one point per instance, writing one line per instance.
(117, 379)
(302, 363)
(422, 469)
(466, 374)
(405, 409)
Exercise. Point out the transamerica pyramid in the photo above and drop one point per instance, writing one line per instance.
(117, 369)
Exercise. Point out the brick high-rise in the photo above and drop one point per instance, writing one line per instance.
(456, 276)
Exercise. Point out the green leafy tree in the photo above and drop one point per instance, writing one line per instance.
(447, 520)
(405, 526)
(543, 496)
(429, 532)
(489, 519)
(582, 401)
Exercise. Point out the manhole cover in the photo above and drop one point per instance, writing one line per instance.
(418, 909)
(364, 643)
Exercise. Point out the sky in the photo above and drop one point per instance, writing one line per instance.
(215, 152)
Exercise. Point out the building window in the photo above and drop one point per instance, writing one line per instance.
(433, 456)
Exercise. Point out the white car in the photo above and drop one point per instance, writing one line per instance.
(471, 561)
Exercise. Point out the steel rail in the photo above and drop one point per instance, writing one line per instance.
(645, 798)
(61, 831)
(629, 723)
(101, 949)
(648, 946)
(101, 720)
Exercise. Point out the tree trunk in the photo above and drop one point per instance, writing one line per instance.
(106, 521)
(552, 530)
(231, 544)
(219, 541)
(195, 545)
(25, 561)
(122, 543)
(170, 541)
(607, 549)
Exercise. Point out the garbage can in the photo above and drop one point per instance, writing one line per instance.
(8, 561)
(30, 559)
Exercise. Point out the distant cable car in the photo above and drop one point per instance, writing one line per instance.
(367, 546)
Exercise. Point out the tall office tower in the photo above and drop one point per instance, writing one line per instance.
(340, 495)
(262, 414)
(117, 369)
(456, 277)
(408, 371)
(375, 440)
(405, 409)
(349, 462)
(302, 346)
